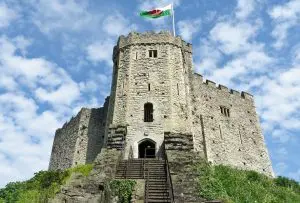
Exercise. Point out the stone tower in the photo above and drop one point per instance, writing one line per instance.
(150, 92)
(158, 106)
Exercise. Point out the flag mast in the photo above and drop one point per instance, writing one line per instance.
(173, 15)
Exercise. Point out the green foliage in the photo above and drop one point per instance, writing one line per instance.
(239, 186)
(288, 183)
(123, 189)
(11, 192)
(44, 185)
(83, 169)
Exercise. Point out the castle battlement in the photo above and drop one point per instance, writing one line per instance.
(164, 37)
(243, 95)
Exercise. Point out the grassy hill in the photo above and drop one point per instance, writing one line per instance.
(215, 182)
(44, 185)
(239, 186)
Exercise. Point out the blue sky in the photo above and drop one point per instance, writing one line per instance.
(56, 58)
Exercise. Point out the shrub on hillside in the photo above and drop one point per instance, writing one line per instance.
(235, 186)
(44, 185)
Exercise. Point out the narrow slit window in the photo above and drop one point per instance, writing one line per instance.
(148, 112)
(153, 53)
(225, 111)
(149, 88)
(177, 89)
(136, 55)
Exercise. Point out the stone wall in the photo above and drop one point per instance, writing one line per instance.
(234, 140)
(64, 145)
(181, 164)
(80, 140)
(162, 81)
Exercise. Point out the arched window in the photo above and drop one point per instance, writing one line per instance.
(148, 112)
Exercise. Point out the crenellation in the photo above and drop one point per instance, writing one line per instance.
(210, 83)
(151, 38)
(199, 77)
(223, 88)
(248, 96)
(235, 92)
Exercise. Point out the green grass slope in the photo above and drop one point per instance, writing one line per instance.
(239, 186)
(44, 185)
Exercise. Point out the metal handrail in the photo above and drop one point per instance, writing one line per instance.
(147, 185)
(169, 179)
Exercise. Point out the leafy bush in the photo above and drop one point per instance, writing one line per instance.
(44, 185)
(123, 189)
(288, 183)
(236, 186)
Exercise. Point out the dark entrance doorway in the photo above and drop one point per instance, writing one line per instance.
(147, 149)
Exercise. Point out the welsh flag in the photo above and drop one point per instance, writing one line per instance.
(157, 12)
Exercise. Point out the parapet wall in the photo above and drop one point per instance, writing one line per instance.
(64, 144)
(243, 95)
(163, 37)
(80, 140)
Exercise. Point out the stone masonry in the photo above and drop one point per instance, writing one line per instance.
(80, 140)
(189, 113)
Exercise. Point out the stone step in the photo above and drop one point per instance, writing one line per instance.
(158, 201)
(157, 187)
(159, 195)
(156, 191)
(166, 198)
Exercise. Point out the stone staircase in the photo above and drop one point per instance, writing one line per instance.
(157, 189)
(130, 169)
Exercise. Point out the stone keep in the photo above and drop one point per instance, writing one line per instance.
(156, 69)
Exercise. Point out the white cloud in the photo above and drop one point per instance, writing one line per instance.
(150, 4)
(116, 25)
(241, 67)
(245, 8)
(7, 15)
(285, 17)
(234, 37)
(22, 44)
(55, 15)
(188, 28)
(101, 51)
(26, 129)
(289, 10)
(65, 94)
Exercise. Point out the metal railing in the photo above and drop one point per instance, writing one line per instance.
(169, 179)
(146, 182)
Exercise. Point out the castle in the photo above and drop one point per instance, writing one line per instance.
(158, 103)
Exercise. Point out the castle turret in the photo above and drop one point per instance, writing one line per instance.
(150, 90)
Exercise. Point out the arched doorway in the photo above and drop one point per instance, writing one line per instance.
(147, 149)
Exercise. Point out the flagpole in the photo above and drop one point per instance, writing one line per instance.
(173, 14)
